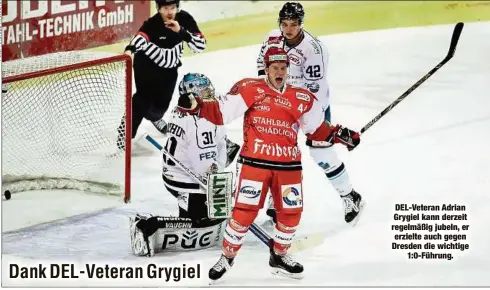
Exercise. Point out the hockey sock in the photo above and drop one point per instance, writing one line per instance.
(233, 238)
(283, 237)
(339, 178)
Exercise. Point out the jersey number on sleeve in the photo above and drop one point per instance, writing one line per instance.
(313, 71)
(170, 147)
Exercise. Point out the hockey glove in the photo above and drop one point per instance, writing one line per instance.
(189, 103)
(345, 136)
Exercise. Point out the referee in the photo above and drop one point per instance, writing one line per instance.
(157, 48)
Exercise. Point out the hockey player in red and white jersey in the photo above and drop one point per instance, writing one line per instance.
(270, 158)
(309, 60)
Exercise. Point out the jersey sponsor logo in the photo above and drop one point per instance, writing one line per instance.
(264, 108)
(316, 47)
(250, 192)
(313, 87)
(283, 102)
(291, 196)
(260, 94)
(274, 149)
(294, 59)
(275, 131)
(271, 122)
(302, 96)
(208, 155)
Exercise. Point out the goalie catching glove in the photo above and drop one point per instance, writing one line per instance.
(189, 103)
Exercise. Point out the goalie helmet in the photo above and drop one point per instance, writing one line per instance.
(292, 10)
(276, 54)
(197, 84)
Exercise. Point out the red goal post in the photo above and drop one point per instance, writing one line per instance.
(66, 123)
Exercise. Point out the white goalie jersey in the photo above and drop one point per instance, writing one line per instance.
(197, 144)
(308, 64)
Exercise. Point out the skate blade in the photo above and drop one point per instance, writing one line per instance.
(283, 273)
(217, 281)
(354, 222)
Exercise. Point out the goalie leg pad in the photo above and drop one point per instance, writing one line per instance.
(141, 243)
(150, 235)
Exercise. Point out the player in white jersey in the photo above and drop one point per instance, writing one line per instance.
(309, 58)
(201, 147)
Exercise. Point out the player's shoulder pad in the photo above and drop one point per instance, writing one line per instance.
(243, 84)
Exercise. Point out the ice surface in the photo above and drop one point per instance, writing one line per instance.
(433, 148)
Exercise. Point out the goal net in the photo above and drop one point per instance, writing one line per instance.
(66, 123)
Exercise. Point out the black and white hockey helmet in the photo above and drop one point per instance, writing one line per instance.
(292, 10)
(197, 84)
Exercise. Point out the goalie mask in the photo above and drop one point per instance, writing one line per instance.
(197, 84)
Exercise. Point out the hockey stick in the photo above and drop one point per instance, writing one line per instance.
(297, 245)
(452, 49)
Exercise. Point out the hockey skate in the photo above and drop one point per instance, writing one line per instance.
(353, 205)
(220, 268)
(285, 266)
(161, 126)
(140, 243)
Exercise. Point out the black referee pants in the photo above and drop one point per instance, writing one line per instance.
(154, 90)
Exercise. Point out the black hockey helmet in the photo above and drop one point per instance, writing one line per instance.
(292, 10)
(161, 3)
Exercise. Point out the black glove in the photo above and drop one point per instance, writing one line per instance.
(345, 136)
(189, 103)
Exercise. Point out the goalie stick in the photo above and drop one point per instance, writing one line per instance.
(303, 243)
(452, 49)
